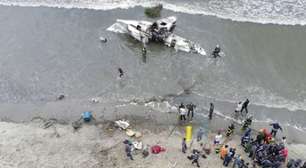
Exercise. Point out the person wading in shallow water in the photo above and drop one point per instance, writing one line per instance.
(182, 112)
(211, 110)
(216, 52)
(275, 128)
(238, 109)
(121, 73)
(245, 106)
(190, 108)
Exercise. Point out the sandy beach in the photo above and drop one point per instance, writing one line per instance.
(29, 145)
(100, 144)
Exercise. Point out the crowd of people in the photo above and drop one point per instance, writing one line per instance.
(261, 147)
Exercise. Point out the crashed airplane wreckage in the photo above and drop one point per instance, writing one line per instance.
(158, 31)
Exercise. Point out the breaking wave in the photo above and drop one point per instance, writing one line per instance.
(266, 99)
(287, 12)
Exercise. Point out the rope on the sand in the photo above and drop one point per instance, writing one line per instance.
(171, 132)
(107, 149)
(46, 122)
(172, 165)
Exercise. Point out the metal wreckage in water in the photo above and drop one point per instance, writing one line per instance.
(159, 31)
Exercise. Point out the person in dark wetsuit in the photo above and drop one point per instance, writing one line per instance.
(245, 106)
(211, 110)
(216, 52)
(121, 73)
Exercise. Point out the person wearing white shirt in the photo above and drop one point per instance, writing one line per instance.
(218, 138)
(183, 112)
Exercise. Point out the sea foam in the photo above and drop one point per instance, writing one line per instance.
(287, 12)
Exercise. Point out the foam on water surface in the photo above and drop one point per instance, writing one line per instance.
(288, 12)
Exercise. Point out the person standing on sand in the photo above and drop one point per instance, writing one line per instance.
(184, 145)
(200, 133)
(195, 158)
(223, 152)
(237, 162)
(211, 110)
(254, 164)
(128, 150)
(245, 106)
(218, 138)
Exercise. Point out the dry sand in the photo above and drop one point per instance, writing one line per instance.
(29, 145)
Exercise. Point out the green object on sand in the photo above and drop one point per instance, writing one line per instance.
(154, 12)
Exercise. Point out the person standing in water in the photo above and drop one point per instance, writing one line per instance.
(144, 51)
(182, 112)
(121, 73)
(238, 110)
(275, 128)
(190, 108)
(211, 110)
(216, 52)
(245, 106)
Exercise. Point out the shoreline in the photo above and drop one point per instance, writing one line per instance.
(41, 92)
(81, 67)
(91, 141)
(70, 110)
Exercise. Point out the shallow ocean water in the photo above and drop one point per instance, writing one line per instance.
(45, 52)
